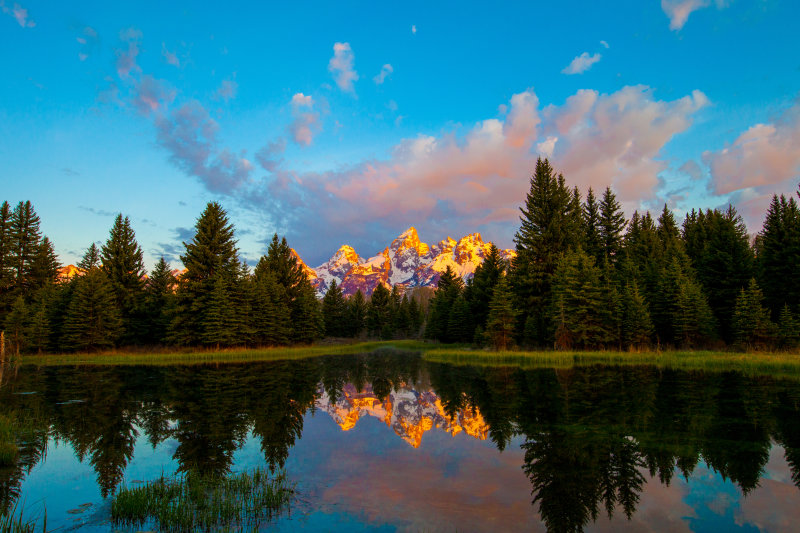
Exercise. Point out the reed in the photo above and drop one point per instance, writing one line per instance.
(14, 522)
(203, 503)
(8, 446)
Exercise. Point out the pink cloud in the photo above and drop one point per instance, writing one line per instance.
(581, 63)
(678, 11)
(386, 71)
(306, 122)
(341, 66)
(126, 59)
(765, 154)
(151, 95)
(170, 57)
(19, 13)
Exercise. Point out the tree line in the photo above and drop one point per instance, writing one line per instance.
(584, 277)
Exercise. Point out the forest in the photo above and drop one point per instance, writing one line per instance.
(584, 278)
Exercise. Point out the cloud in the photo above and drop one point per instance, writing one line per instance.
(70, 172)
(765, 154)
(306, 122)
(443, 182)
(269, 155)
(385, 72)
(126, 58)
(227, 90)
(414, 29)
(152, 95)
(170, 57)
(98, 212)
(19, 13)
(692, 169)
(341, 66)
(581, 63)
(188, 133)
(89, 41)
(604, 44)
(678, 11)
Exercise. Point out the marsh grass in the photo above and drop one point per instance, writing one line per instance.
(8, 446)
(194, 502)
(13, 521)
(776, 364)
(231, 355)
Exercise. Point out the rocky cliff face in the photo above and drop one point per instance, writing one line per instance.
(410, 413)
(406, 262)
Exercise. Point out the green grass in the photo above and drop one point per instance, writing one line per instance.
(8, 446)
(758, 363)
(194, 502)
(200, 356)
(13, 522)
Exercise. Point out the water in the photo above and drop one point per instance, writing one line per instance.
(387, 441)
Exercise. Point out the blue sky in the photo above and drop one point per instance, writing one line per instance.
(338, 123)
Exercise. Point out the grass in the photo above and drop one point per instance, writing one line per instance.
(195, 502)
(8, 446)
(229, 355)
(13, 522)
(759, 363)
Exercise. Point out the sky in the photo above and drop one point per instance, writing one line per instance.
(348, 122)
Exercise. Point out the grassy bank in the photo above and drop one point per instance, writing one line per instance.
(190, 503)
(200, 356)
(759, 363)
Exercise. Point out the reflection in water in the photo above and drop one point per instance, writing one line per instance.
(589, 435)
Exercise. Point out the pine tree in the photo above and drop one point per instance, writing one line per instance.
(459, 323)
(546, 231)
(752, 327)
(90, 259)
(788, 330)
(502, 317)
(692, 320)
(219, 319)
(159, 302)
(415, 317)
(402, 322)
(308, 324)
(448, 288)
(779, 255)
(356, 314)
(16, 324)
(578, 302)
(637, 327)
(93, 318)
(211, 252)
(378, 311)
(6, 261)
(38, 329)
(592, 239)
(612, 224)
(333, 311)
(25, 237)
(122, 260)
(481, 288)
(271, 319)
(45, 265)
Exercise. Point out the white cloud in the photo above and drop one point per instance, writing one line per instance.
(414, 29)
(581, 63)
(301, 100)
(306, 122)
(604, 44)
(227, 90)
(341, 66)
(385, 72)
(19, 13)
(678, 11)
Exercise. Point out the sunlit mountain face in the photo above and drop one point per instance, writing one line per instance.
(389, 440)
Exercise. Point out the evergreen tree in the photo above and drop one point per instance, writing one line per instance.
(308, 324)
(402, 324)
(271, 319)
(692, 320)
(779, 255)
(16, 324)
(788, 330)
(159, 302)
(592, 239)
(577, 302)
(282, 262)
(481, 288)
(211, 253)
(45, 265)
(6, 261)
(38, 329)
(219, 327)
(93, 319)
(752, 327)
(612, 224)
(25, 237)
(90, 259)
(333, 311)
(637, 327)
(547, 230)
(459, 324)
(448, 288)
(122, 260)
(356, 314)
(502, 317)
(378, 311)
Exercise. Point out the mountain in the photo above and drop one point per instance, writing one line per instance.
(408, 412)
(406, 262)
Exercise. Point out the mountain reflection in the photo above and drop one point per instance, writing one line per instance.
(589, 435)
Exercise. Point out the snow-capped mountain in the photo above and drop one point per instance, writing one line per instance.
(410, 413)
(406, 262)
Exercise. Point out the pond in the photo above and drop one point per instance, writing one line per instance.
(387, 441)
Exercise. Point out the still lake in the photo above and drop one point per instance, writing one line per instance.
(387, 441)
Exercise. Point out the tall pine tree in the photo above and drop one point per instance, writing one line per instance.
(122, 260)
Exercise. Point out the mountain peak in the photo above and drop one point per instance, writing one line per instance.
(409, 239)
